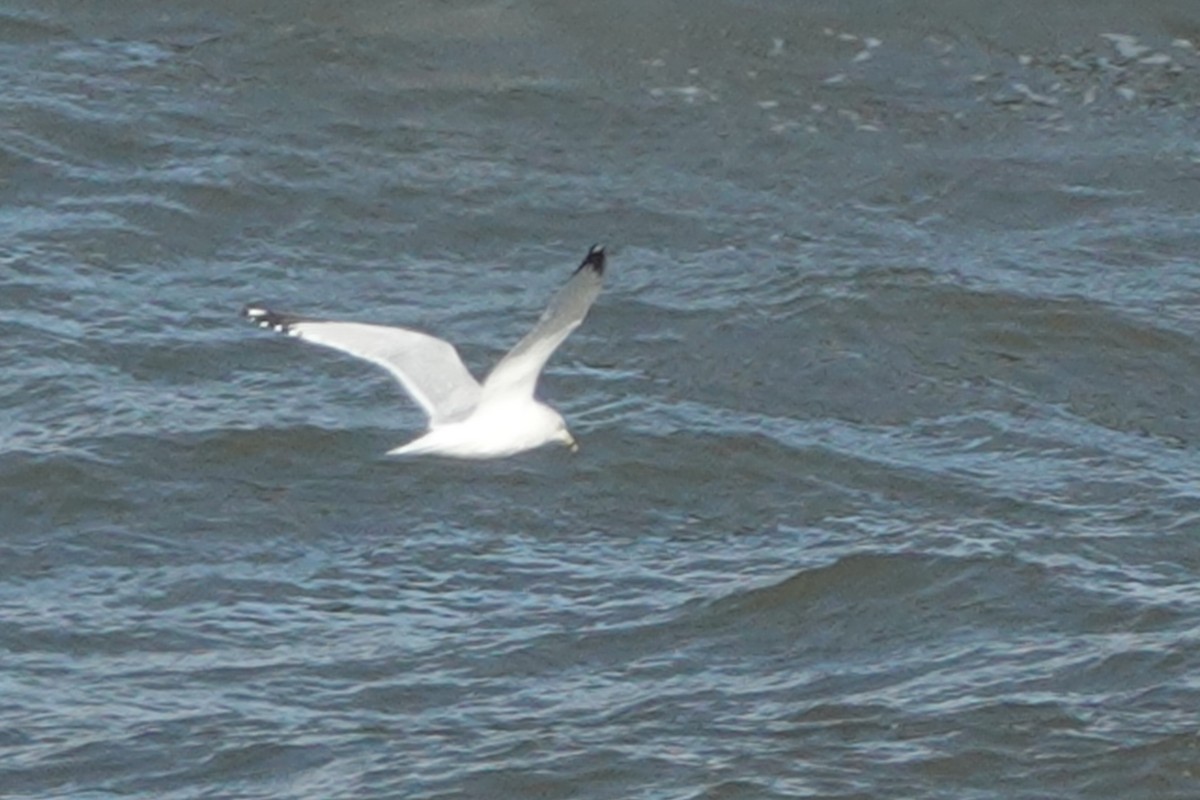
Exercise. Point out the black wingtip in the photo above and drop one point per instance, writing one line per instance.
(264, 317)
(594, 260)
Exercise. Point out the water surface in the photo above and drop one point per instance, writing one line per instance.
(888, 483)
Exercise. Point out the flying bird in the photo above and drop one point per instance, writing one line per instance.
(498, 418)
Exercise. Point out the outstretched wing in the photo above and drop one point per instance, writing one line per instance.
(518, 371)
(428, 368)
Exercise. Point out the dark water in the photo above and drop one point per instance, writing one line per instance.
(888, 483)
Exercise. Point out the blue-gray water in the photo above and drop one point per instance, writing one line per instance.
(888, 484)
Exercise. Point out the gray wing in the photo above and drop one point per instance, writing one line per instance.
(428, 368)
(518, 371)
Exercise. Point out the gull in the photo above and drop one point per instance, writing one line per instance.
(498, 418)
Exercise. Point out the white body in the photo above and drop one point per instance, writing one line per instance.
(493, 432)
